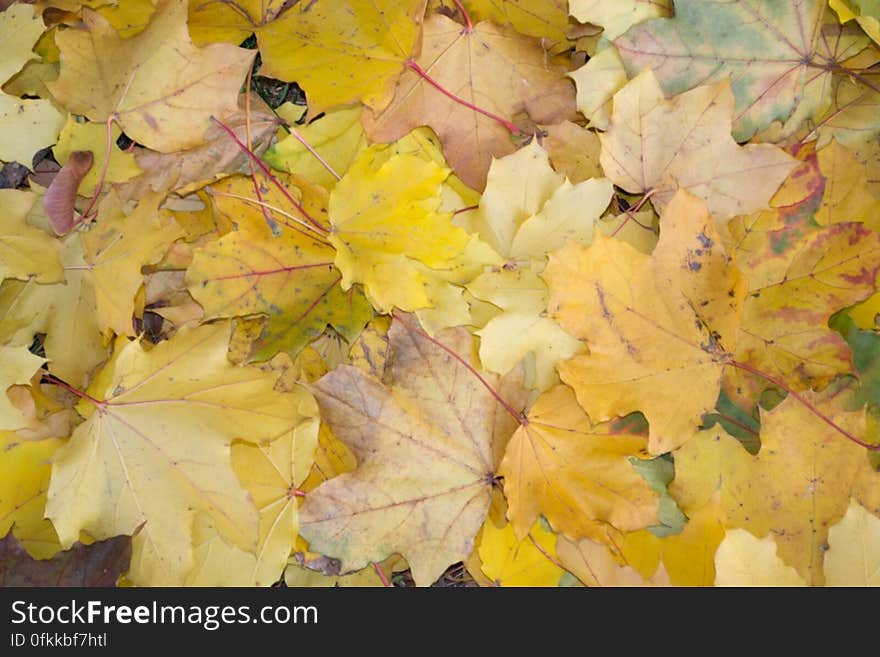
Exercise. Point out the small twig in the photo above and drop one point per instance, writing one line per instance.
(84, 216)
(308, 146)
(630, 212)
(540, 549)
(263, 204)
(467, 209)
(381, 575)
(51, 378)
(273, 226)
(469, 25)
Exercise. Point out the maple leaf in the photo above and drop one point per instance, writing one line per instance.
(25, 467)
(506, 74)
(659, 328)
(798, 485)
(169, 415)
(657, 145)
(20, 29)
(744, 560)
(766, 48)
(853, 549)
(66, 312)
(25, 251)
(272, 474)
(19, 365)
(289, 277)
(26, 125)
(799, 275)
(597, 81)
(847, 196)
(427, 449)
(160, 88)
(526, 211)
(191, 169)
(511, 561)
(388, 231)
(116, 247)
(340, 53)
(97, 564)
(581, 501)
(852, 118)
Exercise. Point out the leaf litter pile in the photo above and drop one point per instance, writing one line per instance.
(374, 292)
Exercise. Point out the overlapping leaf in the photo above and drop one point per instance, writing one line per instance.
(506, 73)
(766, 48)
(427, 449)
(655, 145)
(169, 415)
(161, 89)
(659, 328)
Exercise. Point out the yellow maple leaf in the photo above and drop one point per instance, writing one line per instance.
(511, 561)
(389, 232)
(597, 81)
(577, 475)
(25, 252)
(24, 479)
(798, 277)
(20, 29)
(158, 86)
(272, 474)
(853, 556)
(117, 246)
(744, 560)
(866, 14)
(526, 211)
(658, 145)
(66, 312)
(427, 449)
(798, 485)
(166, 415)
(542, 19)
(19, 365)
(340, 53)
(659, 328)
(26, 124)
